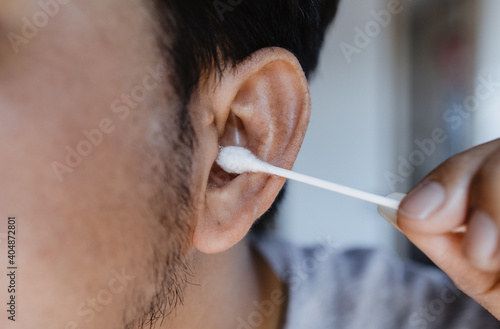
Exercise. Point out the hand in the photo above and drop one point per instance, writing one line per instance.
(464, 190)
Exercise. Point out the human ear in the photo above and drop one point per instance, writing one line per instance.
(262, 104)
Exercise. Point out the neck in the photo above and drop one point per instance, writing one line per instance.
(233, 289)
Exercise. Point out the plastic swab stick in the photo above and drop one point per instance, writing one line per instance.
(238, 160)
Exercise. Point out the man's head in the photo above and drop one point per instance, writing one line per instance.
(111, 115)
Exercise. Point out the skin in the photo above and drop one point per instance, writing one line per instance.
(96, 233)
(74, 232)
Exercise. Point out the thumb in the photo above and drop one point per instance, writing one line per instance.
(391, 215)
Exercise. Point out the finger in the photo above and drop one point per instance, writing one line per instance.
(481, 245)
(440, 203)
(446, 252)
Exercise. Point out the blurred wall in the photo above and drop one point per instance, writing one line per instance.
(366, 114)
(352, 134)
(487, 118)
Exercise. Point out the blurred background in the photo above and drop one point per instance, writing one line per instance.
(401, 86)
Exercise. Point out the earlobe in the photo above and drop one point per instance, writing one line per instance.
(262, 104)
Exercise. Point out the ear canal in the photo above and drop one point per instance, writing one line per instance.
(234, 134)
(218, 177)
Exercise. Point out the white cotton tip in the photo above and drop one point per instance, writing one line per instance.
(238, 160)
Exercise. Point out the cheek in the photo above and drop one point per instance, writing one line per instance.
(73, 236)
(84, 242)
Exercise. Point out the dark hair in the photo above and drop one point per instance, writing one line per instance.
(210, 34)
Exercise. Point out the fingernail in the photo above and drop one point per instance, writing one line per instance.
(481, 241)
(391, 215)
(423, 201)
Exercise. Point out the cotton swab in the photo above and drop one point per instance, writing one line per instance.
(238, 160)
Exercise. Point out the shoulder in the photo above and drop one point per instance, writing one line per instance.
(361, 287)
(326, 259)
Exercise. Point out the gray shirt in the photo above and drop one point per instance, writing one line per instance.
(365, 289)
